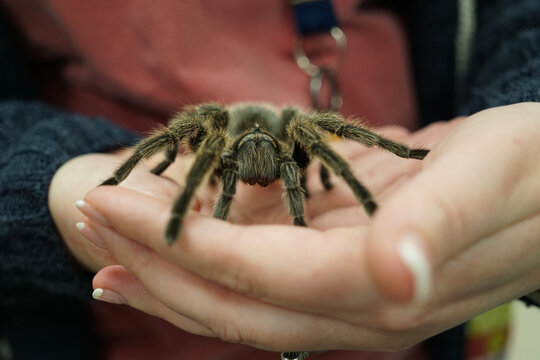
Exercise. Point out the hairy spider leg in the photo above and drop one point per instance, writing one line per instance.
(205, 162)
(336, 124)
(144, 149)
(170, 156)
(229, 180)
(294, 193)
(301, 158)
(182, 125)
(305, 132)
(299, 155)
(325, 177)
(303, 182)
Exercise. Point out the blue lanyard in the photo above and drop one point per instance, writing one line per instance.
(313, 16)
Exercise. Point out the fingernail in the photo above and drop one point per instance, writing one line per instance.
(90, 211)
(415, 259)
(109, 296)
(89, 233)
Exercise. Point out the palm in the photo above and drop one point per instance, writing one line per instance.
(265, 205)
(236, 252)
(380, 171)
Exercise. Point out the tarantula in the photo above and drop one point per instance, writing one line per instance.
(256, 144)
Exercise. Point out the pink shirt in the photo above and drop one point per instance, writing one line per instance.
(137, 61)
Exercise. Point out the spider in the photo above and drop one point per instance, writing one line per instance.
(256, 144)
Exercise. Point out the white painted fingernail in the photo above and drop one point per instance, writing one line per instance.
(97, 293)
(108, 296)
(90, 234)
(415, 259)
(90, 211)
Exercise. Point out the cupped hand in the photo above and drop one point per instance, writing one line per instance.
(468, 224)
(273, 286)
(76, 177)
(79, 175)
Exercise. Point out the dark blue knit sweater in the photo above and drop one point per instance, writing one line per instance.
(38, 140)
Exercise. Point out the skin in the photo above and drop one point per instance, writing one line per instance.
(341, 284)
(84, 173)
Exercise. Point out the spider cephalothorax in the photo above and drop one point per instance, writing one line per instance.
(257, 145)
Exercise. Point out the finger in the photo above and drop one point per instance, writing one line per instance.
(232, 255)
(349, 216)
(378, 171)
(513, 259)
(167, 185)
(115, 285)
(142, 180)
(437, 317)
(430, 136)
(474, 184)
(252, 201)
(233, 317)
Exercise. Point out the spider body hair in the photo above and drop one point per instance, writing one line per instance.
(256, 144)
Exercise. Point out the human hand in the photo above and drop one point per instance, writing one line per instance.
(474, 214)
(158, 286)
(75, 178)
(328, 299)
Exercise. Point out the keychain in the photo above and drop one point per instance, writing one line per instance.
(315, 18)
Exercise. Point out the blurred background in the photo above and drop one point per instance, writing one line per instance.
(525, 333)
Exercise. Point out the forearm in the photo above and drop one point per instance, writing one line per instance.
(37, 140)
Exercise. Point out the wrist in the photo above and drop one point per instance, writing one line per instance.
(70, 183)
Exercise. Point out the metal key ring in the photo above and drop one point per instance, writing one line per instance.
(299, 355)
(311, 69)
(315, 86)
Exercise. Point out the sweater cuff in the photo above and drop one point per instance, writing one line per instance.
(505, 66)
(532, 299)
(33, 260)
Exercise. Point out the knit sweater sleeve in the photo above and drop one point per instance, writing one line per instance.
(36, 140)
(505, 66)
(505, 61)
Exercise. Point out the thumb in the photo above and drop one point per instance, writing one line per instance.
(430, 219)
(471, 186)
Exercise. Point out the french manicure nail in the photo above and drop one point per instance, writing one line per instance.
(109, 296)
(414, 258)
(90, 211)
(89, 233)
